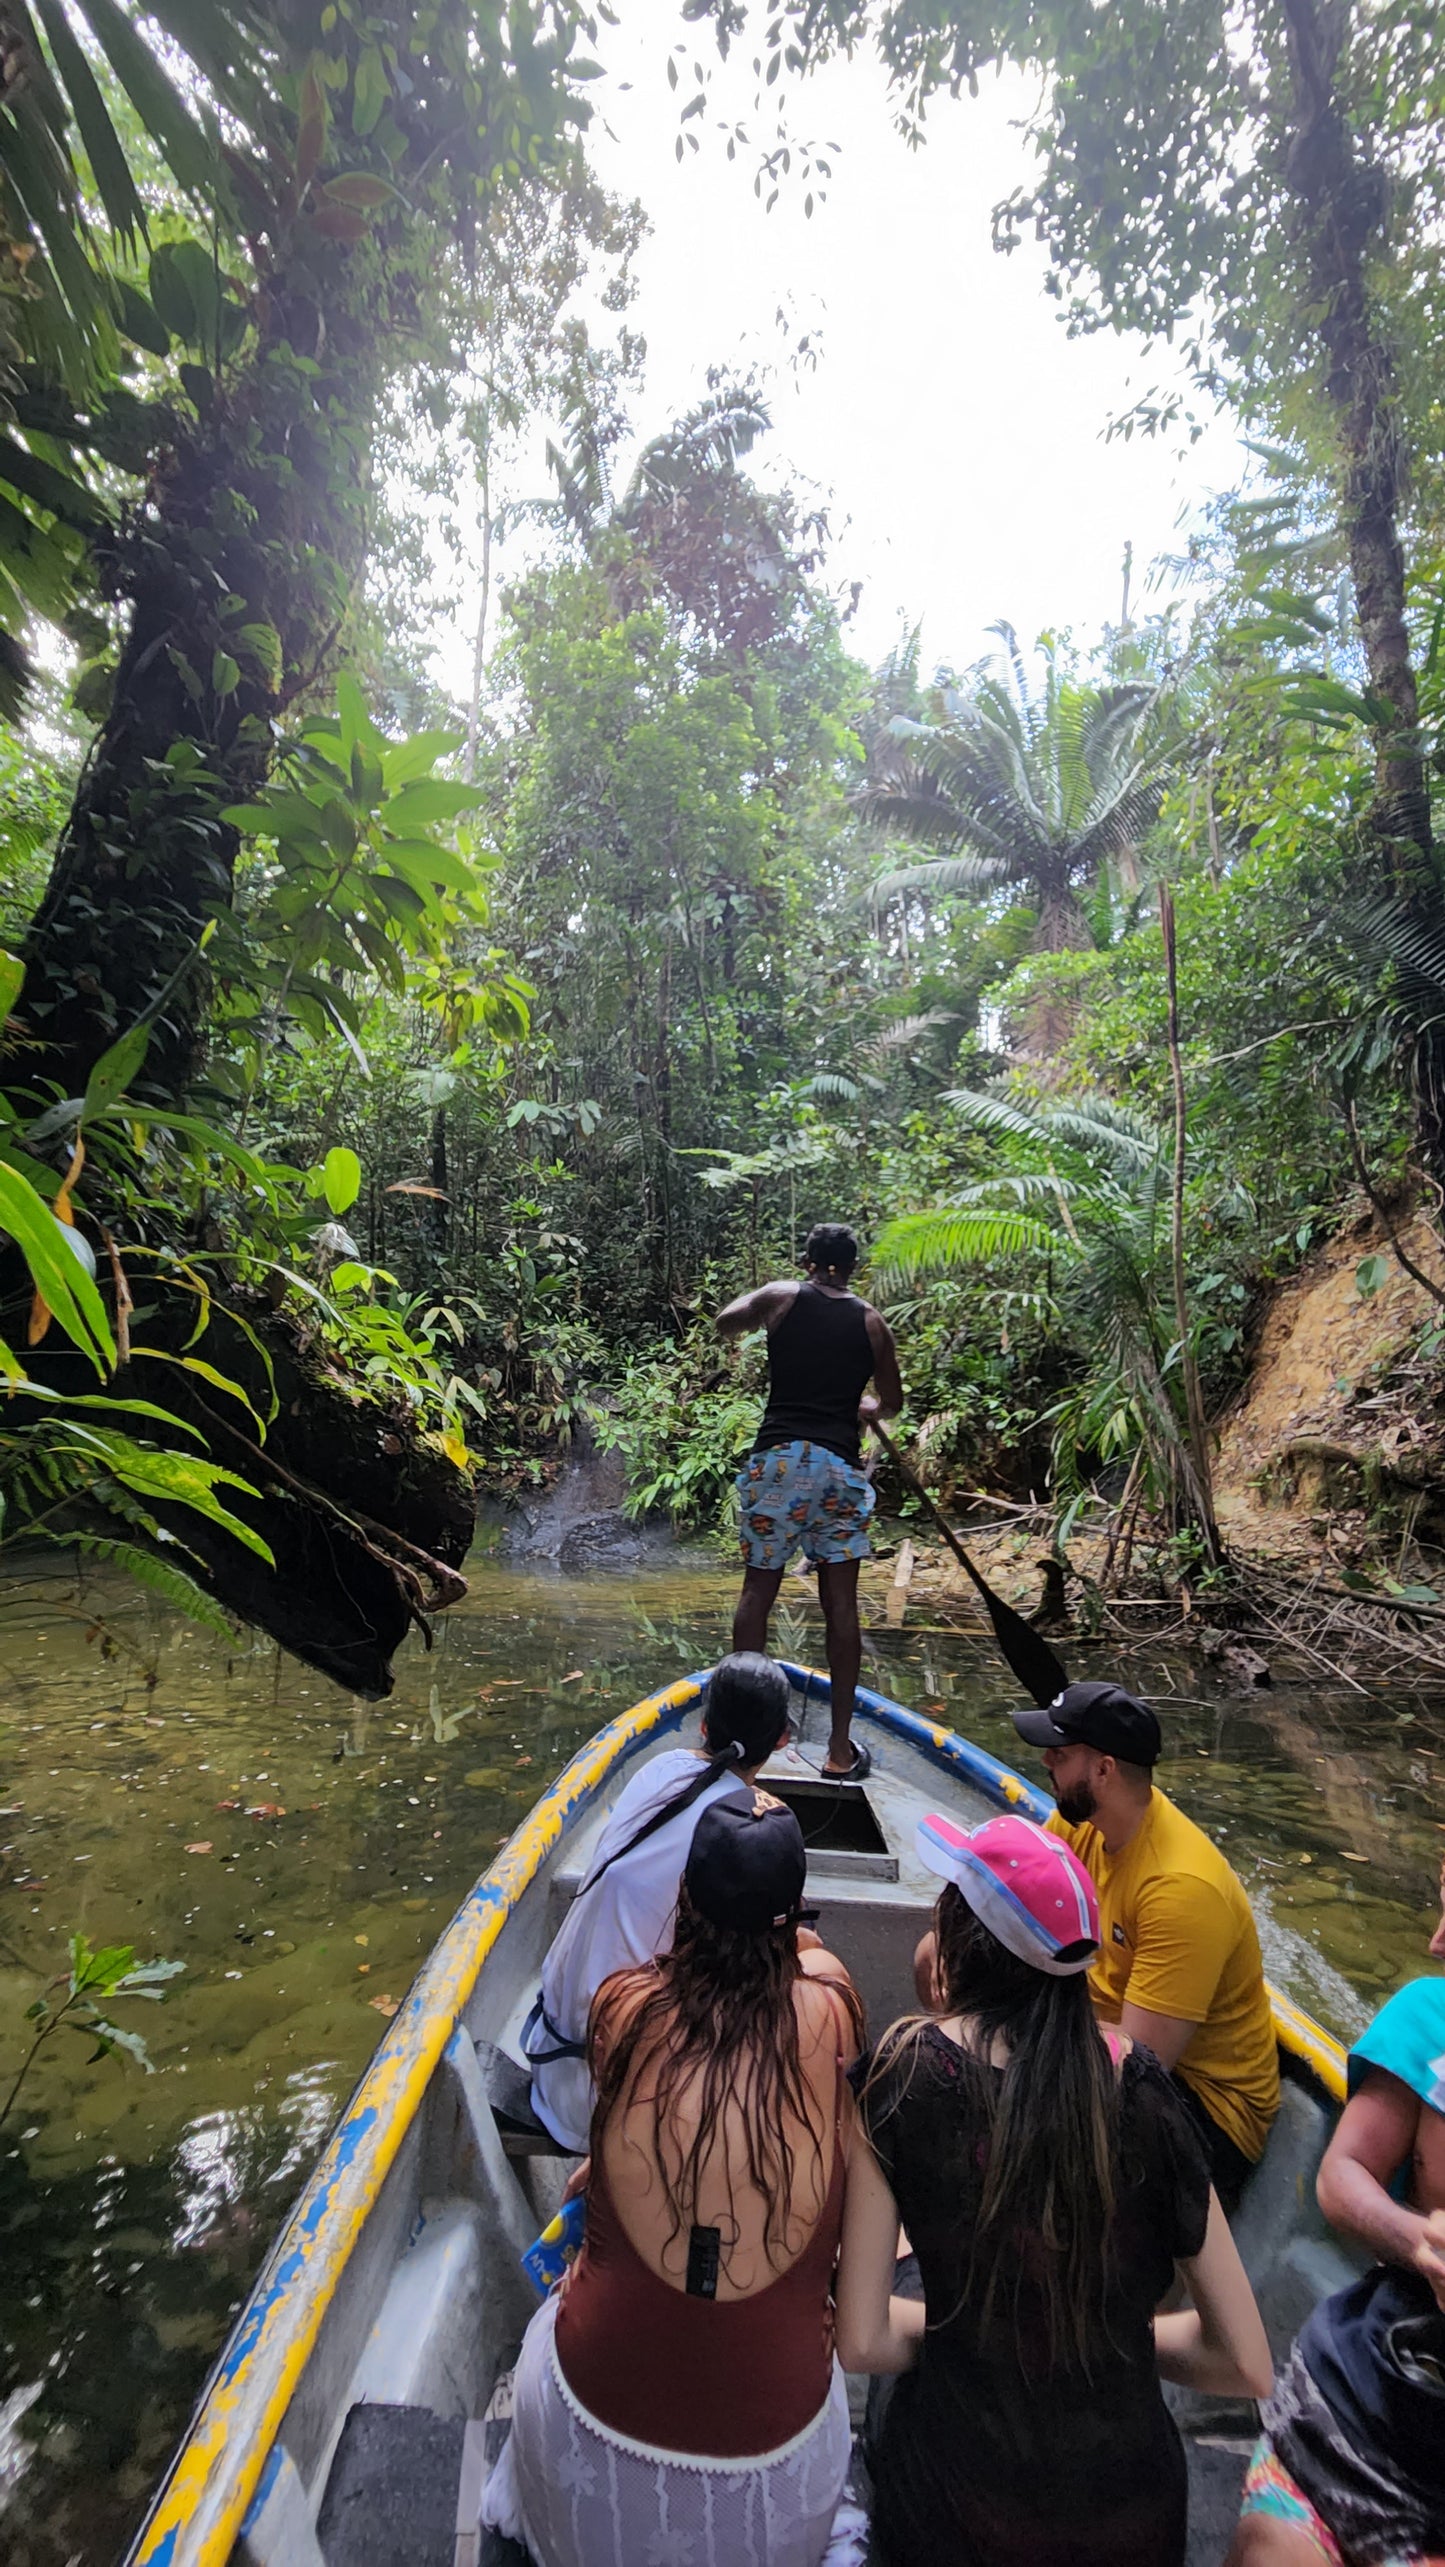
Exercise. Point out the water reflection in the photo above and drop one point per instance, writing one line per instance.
(301, 1851)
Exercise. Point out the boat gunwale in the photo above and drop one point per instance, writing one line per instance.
(243, 2404)
(244, 2401)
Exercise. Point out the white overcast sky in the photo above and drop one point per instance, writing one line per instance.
(952, 427)
(955, 427)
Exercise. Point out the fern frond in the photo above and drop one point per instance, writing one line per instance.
(181, 1592)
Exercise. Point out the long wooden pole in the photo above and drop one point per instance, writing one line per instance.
(1203, 1493)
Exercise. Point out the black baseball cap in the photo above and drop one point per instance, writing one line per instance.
(1095, 1715)
(747, 1865)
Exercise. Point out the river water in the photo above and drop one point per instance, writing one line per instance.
(300, 1854)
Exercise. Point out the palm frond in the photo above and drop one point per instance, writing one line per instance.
(988, 1112)
(918, 1243)
(905, 1030)
(947, 873)
(706, 442)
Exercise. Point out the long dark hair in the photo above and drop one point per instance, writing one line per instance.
(717, 2016)
(745, 1716)
(1052, 2123)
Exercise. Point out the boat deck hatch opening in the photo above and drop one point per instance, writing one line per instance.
(840, 1831)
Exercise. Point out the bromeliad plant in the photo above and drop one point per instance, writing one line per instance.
(94, 1979)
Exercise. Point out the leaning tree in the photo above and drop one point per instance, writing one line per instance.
(326, 153)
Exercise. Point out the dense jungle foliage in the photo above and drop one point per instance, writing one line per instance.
(394, 1084)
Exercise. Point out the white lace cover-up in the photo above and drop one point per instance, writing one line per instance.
(576, 2494)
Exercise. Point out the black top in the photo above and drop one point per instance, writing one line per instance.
(820, 1358)
(991, 2455)
(1376, 2352)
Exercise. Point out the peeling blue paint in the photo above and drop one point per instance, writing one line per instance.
(269, 2476)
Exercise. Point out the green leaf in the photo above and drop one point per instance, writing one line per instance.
(413, 759)
(95, 1970)
(170, 1585)
(207, 1372)
(190, 152)
(12, 981)
(146, 1978)
(425, 864)
(361, 193)
(210, 1136)
(115, 1070)
(57, 491)
(225, 673)
(340, 1179)
(428, 805)
(110, 2040)
(55, 1270)
(170, 296)
(370, 90)
(357, 727)
(118, 194)
(180, 1479)
(261, 645)
(140, 320)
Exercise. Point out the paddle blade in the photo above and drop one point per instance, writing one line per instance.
(1028, 1653)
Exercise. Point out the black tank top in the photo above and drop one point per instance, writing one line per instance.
(820, 1358)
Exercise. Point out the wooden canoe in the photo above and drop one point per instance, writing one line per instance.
(353, 2390)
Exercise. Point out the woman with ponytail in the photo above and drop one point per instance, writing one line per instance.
(1050, 2181)
(623, 1913)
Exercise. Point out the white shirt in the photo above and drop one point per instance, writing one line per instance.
(625, 1920)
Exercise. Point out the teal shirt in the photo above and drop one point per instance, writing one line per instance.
(1407, 2037)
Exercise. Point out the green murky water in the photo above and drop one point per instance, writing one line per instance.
(300, 1855)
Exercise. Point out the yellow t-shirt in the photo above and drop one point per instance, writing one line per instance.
(1178, 1937)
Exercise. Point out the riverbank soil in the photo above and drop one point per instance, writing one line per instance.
(1339, 1434)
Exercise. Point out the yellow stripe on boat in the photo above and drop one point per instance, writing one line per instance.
(203, 2503)
(1305, 2040)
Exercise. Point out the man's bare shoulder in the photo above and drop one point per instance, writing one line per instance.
(762, 1307)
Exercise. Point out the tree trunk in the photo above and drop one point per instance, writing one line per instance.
(439, 1205)
(1342, 199)
(1343, 204)
(238, 571)
(257, 502)
(479, 647)
(1202, 1493)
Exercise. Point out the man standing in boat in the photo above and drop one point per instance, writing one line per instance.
(802, 1487)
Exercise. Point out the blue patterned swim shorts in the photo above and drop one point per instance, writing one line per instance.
(802, 1497)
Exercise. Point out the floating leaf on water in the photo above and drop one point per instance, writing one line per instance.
(1307, 1858)
(1348, 1857)
(385, 2005)
(363, 1939)
(200, 1849)
(576, 1677)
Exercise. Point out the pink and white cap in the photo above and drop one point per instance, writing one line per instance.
(1027, 1887)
